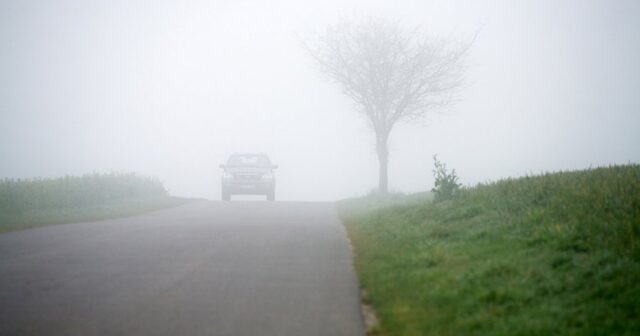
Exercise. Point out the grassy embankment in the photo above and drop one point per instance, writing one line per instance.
(557, 254)
(37, 202)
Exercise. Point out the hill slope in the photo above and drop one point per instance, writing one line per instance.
(552, 254)
(36, 202)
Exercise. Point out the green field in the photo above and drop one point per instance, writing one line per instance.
(37, 202)
(557, 254)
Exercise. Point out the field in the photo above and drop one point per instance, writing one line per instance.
(36, 202)
(557, 254)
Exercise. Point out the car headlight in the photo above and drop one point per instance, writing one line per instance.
(267, 176)
(226, 175)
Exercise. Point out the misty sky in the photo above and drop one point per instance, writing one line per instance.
(171, 88)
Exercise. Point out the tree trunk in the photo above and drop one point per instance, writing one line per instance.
(383, 160)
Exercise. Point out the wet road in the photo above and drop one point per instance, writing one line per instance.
(205, 268)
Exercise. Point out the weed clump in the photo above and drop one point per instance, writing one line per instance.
(446, 182)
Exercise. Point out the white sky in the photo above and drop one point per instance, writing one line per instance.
(171, 88)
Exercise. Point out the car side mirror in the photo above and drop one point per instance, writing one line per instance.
(222, 166)
(274, 166)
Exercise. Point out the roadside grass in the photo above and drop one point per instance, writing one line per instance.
(556, 254)
(36, 202)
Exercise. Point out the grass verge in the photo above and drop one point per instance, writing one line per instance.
(32, 203)
(556, 254)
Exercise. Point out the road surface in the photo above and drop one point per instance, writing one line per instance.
(205, 268)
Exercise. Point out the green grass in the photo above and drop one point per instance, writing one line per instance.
(556, 254)
(37, 202)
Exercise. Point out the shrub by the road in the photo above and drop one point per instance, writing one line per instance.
(446, 182)
(557, 254)
(34, 202)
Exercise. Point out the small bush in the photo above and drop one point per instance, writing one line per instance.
(446, 183)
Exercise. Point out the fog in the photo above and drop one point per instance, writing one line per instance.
(172, 88)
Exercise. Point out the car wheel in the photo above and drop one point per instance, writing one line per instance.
(271, 196)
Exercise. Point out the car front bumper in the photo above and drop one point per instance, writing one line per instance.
(248, 187)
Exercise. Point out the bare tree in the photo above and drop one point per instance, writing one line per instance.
(392, 74)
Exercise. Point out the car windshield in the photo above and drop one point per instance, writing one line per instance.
(249, 161)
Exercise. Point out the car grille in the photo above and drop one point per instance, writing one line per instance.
(247, 177)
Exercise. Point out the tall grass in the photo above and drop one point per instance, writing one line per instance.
(587, 209)
(32, 202)
(556, 254)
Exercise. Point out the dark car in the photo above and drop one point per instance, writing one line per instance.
(248, 174)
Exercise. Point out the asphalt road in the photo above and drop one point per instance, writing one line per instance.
(205, 268)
